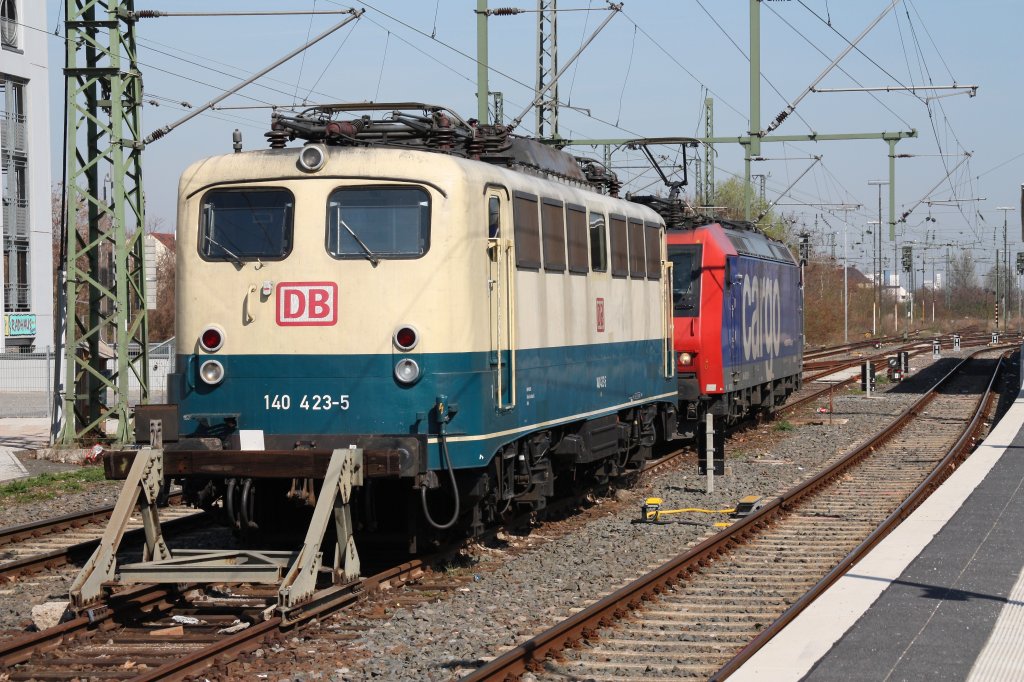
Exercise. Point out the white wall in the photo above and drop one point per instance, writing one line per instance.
(30, 64)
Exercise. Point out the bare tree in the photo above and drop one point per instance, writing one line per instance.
(161, 320)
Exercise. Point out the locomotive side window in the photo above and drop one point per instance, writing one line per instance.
(552, 219)
(636, 249)
(378, 222)
(241, 225)
(652, 237)
(620, 253)
(686, 270)
(576, 231)
(527, 230)
(598, 243)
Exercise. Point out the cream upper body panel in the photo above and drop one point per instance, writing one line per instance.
(444, 293)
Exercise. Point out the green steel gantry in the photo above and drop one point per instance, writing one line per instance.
(105, 288)
(547, 68)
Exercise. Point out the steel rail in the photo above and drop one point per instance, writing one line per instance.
(875, 360)
(65, 555)
(57, 524)
(534, 651)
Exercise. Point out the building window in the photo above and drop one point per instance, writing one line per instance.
(14, 182)
(9, 23)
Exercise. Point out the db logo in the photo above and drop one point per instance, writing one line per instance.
(307, 304)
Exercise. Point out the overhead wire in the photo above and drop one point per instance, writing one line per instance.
(625, 80)
(855, 47)
(747, 57)
(383, 60)
(576, 66)
(327, 66)
(838, 66)
(679, 64)
(302, 63)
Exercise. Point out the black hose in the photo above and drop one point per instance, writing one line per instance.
(248, 506)
(229, 503)
(455, 488)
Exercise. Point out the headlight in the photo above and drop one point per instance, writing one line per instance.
(211, 372)
(685, 359)
(407, 371)
(312, 158)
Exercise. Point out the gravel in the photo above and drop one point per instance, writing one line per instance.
(522, 587)
(524, 584)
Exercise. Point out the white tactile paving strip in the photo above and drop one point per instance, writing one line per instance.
(792, 653)
(1002, 659)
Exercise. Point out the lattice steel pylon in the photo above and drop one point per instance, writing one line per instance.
(547, 67)
(105, 292)
(709, 155)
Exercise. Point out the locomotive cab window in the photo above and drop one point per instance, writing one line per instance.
(241, 225)
(378, 222)
(686, 270)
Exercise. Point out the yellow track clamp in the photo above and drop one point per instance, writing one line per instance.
(651, 511)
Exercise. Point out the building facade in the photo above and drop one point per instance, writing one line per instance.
(27, 266)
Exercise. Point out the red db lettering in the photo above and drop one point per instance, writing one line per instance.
(307, 304)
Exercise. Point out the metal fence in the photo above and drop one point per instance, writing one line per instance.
(26, 380)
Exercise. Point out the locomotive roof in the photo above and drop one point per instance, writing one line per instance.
(757, 244)
(392, 164)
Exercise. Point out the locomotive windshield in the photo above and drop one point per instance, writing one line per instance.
(378, 222)
(685, 279)
(246, 224)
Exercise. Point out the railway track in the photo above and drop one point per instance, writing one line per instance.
(197, 642)
(810, 392)
(155, 633)
(703, 613)
(55, 542)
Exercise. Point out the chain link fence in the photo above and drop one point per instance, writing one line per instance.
(26, 380)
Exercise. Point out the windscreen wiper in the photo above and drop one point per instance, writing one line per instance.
(366, 249)
(234, 257)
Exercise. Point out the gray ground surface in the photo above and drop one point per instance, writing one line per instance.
(525, 584)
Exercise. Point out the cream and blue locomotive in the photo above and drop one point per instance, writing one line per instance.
(479, 313)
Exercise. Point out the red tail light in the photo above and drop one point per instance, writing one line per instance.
(211, 339)
(406, 338)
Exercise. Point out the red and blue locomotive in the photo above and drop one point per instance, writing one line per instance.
(738, 308)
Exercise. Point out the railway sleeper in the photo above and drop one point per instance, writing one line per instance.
(294, 574)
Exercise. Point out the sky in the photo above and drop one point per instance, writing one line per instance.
(646, 74)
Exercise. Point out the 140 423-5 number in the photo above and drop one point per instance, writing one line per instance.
(317, 402)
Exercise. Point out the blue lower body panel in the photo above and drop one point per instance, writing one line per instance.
(305, 396)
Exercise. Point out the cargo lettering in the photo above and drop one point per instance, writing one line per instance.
(762, 318)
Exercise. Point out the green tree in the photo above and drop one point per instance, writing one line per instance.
(730, 195)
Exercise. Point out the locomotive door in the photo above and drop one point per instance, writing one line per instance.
(501, 297)
(667, 315)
